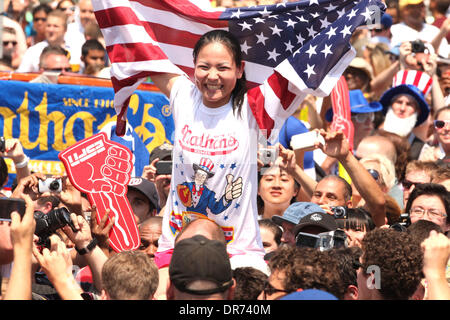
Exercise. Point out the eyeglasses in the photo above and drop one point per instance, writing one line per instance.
(374, 173)
(439, 124)
(270, 290)
(362, 117)
(407, 184)
(7, 43)
(420, 212)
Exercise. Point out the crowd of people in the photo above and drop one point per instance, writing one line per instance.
(333, 221)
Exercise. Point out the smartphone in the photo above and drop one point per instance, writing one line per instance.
(8, 205)
(164, 167)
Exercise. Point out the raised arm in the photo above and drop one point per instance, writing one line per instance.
(165, 81)
(336, 145)
(22, 230)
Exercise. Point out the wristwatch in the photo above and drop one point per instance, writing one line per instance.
(88, 248)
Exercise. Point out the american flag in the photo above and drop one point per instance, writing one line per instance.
(304, 42)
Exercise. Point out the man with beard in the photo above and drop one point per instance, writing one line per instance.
(405, 108)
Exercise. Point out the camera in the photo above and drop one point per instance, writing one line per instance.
(164, 167)
(418, 46)
(47, 224)
(405, 220)
(339, 212)
(50, 185)
(2, 144)
(323, 241)
(267, 156)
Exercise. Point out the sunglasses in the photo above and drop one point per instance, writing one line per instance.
(7, 43)
(40, 19)
(362, 117)
(407, 184)
(270, 290)
(439, 124)
(59, 69)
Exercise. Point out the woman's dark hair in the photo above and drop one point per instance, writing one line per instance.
(269, 224)
(356, 219)
(42, 7)
(230, 41)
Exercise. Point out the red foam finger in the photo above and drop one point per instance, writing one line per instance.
(102, 169)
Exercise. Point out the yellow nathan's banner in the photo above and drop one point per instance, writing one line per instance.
(48, 118)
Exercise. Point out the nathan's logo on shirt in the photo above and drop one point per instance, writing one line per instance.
(207, 144)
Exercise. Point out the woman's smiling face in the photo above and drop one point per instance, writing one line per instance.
(216, 74)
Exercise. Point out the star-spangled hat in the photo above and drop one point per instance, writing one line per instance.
(414, 83)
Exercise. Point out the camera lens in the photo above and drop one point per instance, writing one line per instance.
(54, 185)
(339, 212)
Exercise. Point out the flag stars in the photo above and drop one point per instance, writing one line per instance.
(289, 46)
(367, 14)
(245, 26)
(290, 23)
(259, 20)
(273, 55)
(346, 31)
(331, 32)
(236, 14)
(302, 19)
(300, 39)
(311, 51)
(341, 13)
(326, 51)
(245, 47)
(264, 13)
(352, 14)
(311, 31)
(276, 30)
(324, 23)
(309, 70)
(330, 8)
(261, 38)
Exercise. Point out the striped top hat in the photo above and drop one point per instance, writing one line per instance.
(206, 165)
(411, 82)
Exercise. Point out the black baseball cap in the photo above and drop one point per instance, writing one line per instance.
(147, 188)
(163, 152)
(318, 219)
(199, 258)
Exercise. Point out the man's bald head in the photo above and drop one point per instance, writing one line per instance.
(378, 145)
(205, 227)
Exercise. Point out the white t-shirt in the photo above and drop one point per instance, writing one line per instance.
(220, 143)
(401, 33)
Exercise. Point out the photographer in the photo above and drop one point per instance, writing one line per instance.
(412, 26)
(158, 174)
(334, 190)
